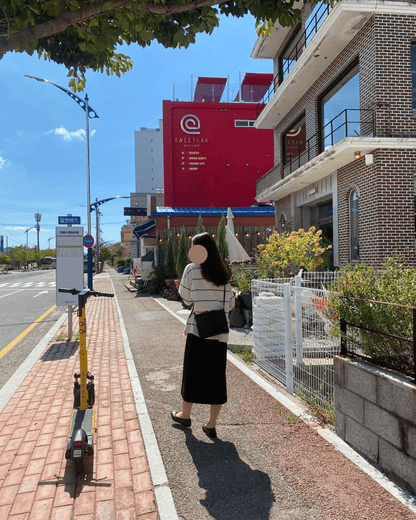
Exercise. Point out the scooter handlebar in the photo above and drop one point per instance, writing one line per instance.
(87, 291)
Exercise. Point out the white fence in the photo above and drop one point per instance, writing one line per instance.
(292, 333)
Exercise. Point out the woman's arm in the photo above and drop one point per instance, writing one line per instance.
(186, 286)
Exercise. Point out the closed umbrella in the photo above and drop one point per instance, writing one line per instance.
(236, 251)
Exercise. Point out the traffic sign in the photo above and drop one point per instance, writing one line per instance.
(88, 241)
(69, 220)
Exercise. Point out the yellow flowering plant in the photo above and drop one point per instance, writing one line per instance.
(287, 252)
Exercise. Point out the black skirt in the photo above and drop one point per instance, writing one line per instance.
(204, 366)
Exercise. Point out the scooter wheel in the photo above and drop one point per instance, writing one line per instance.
(79, 465)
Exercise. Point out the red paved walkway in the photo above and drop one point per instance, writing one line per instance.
(36, 481)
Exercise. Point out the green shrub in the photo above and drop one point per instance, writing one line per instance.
(393, 283)
(242, 278)
(170, 268)
(200, 228)
(182, 260)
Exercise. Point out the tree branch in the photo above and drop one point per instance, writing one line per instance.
(65, 19)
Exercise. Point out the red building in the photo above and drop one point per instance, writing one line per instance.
(213, 155)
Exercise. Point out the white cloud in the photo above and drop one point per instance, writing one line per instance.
(78, 135)
(2, 162)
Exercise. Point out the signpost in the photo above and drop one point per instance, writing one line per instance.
(76, 221)
(69, 263)
(88, 241)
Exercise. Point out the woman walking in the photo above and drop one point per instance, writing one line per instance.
(206, 286)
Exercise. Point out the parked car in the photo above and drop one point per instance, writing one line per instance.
(127, 270)
(121, 269)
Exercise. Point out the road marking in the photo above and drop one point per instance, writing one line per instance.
(4, 295)
(43, 292)
(26, 331)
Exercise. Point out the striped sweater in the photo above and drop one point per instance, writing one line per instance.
(205, 296)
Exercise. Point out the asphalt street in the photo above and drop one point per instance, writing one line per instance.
(24, 297)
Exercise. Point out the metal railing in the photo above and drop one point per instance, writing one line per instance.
(382, 347)
(292, 333)
(300, 44)
(350, 122)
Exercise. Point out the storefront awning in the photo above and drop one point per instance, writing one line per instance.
(147, 229)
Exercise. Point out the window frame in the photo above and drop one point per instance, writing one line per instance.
(284, 134)
(355, 63)
(353, 192)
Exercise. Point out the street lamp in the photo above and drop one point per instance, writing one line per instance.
(94, 206)
(49, 242)
(27, 234)
(89, 114)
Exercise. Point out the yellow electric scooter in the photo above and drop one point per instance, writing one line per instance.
(81, 432)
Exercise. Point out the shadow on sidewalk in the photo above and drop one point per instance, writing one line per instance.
(233, 489)
(60, 351)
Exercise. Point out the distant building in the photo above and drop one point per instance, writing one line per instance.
(213, 155)
(148, 158)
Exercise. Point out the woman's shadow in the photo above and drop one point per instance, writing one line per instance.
(233, 489)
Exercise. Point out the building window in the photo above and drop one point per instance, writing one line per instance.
(414, 78)
(343, 94)
(289, 56)
(294, 141)
(354, 231)
(241, 123)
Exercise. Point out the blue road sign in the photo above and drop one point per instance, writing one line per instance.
(69, 220)
(88, 241)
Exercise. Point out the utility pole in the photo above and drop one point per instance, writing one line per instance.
(37, 218)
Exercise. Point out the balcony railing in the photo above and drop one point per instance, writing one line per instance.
(351, 122)
(299, 45)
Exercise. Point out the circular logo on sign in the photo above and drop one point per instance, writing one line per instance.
(190, 124)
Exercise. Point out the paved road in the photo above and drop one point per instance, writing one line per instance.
(226, 479)
(24, 297)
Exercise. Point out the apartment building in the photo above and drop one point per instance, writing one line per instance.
(343, 109)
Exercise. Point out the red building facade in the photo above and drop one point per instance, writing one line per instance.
(213, 155)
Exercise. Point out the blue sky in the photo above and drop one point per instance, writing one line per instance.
(42, 130)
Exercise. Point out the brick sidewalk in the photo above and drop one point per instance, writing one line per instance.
(36, 481)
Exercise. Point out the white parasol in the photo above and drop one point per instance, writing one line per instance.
(235, 250)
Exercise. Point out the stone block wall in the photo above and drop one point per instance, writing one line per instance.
(375, 413)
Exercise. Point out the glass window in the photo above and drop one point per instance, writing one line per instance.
(289, 56)
(241, 123)
(354, 235)
(294, 141)
(335, 123)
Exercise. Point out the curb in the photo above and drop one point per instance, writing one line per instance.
(163, 494)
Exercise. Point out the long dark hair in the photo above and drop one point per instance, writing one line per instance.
(213, 269)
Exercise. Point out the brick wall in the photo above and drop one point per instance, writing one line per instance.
(386, 213)
(283, 209)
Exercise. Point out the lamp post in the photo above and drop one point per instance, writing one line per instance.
(49, 242)
(27, 235)
(94, 206)
(89, 114)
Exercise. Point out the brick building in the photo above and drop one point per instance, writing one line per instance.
(343, 108)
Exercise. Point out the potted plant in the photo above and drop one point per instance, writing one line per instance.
(170, 268)
(242, 279)
(182, 259)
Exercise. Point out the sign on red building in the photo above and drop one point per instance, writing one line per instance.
(213, 155)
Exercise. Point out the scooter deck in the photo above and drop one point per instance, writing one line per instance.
(82, 420)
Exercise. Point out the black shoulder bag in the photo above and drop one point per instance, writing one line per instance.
(212, 323)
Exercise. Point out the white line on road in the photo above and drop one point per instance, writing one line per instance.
(4, 295)
(42, 292)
